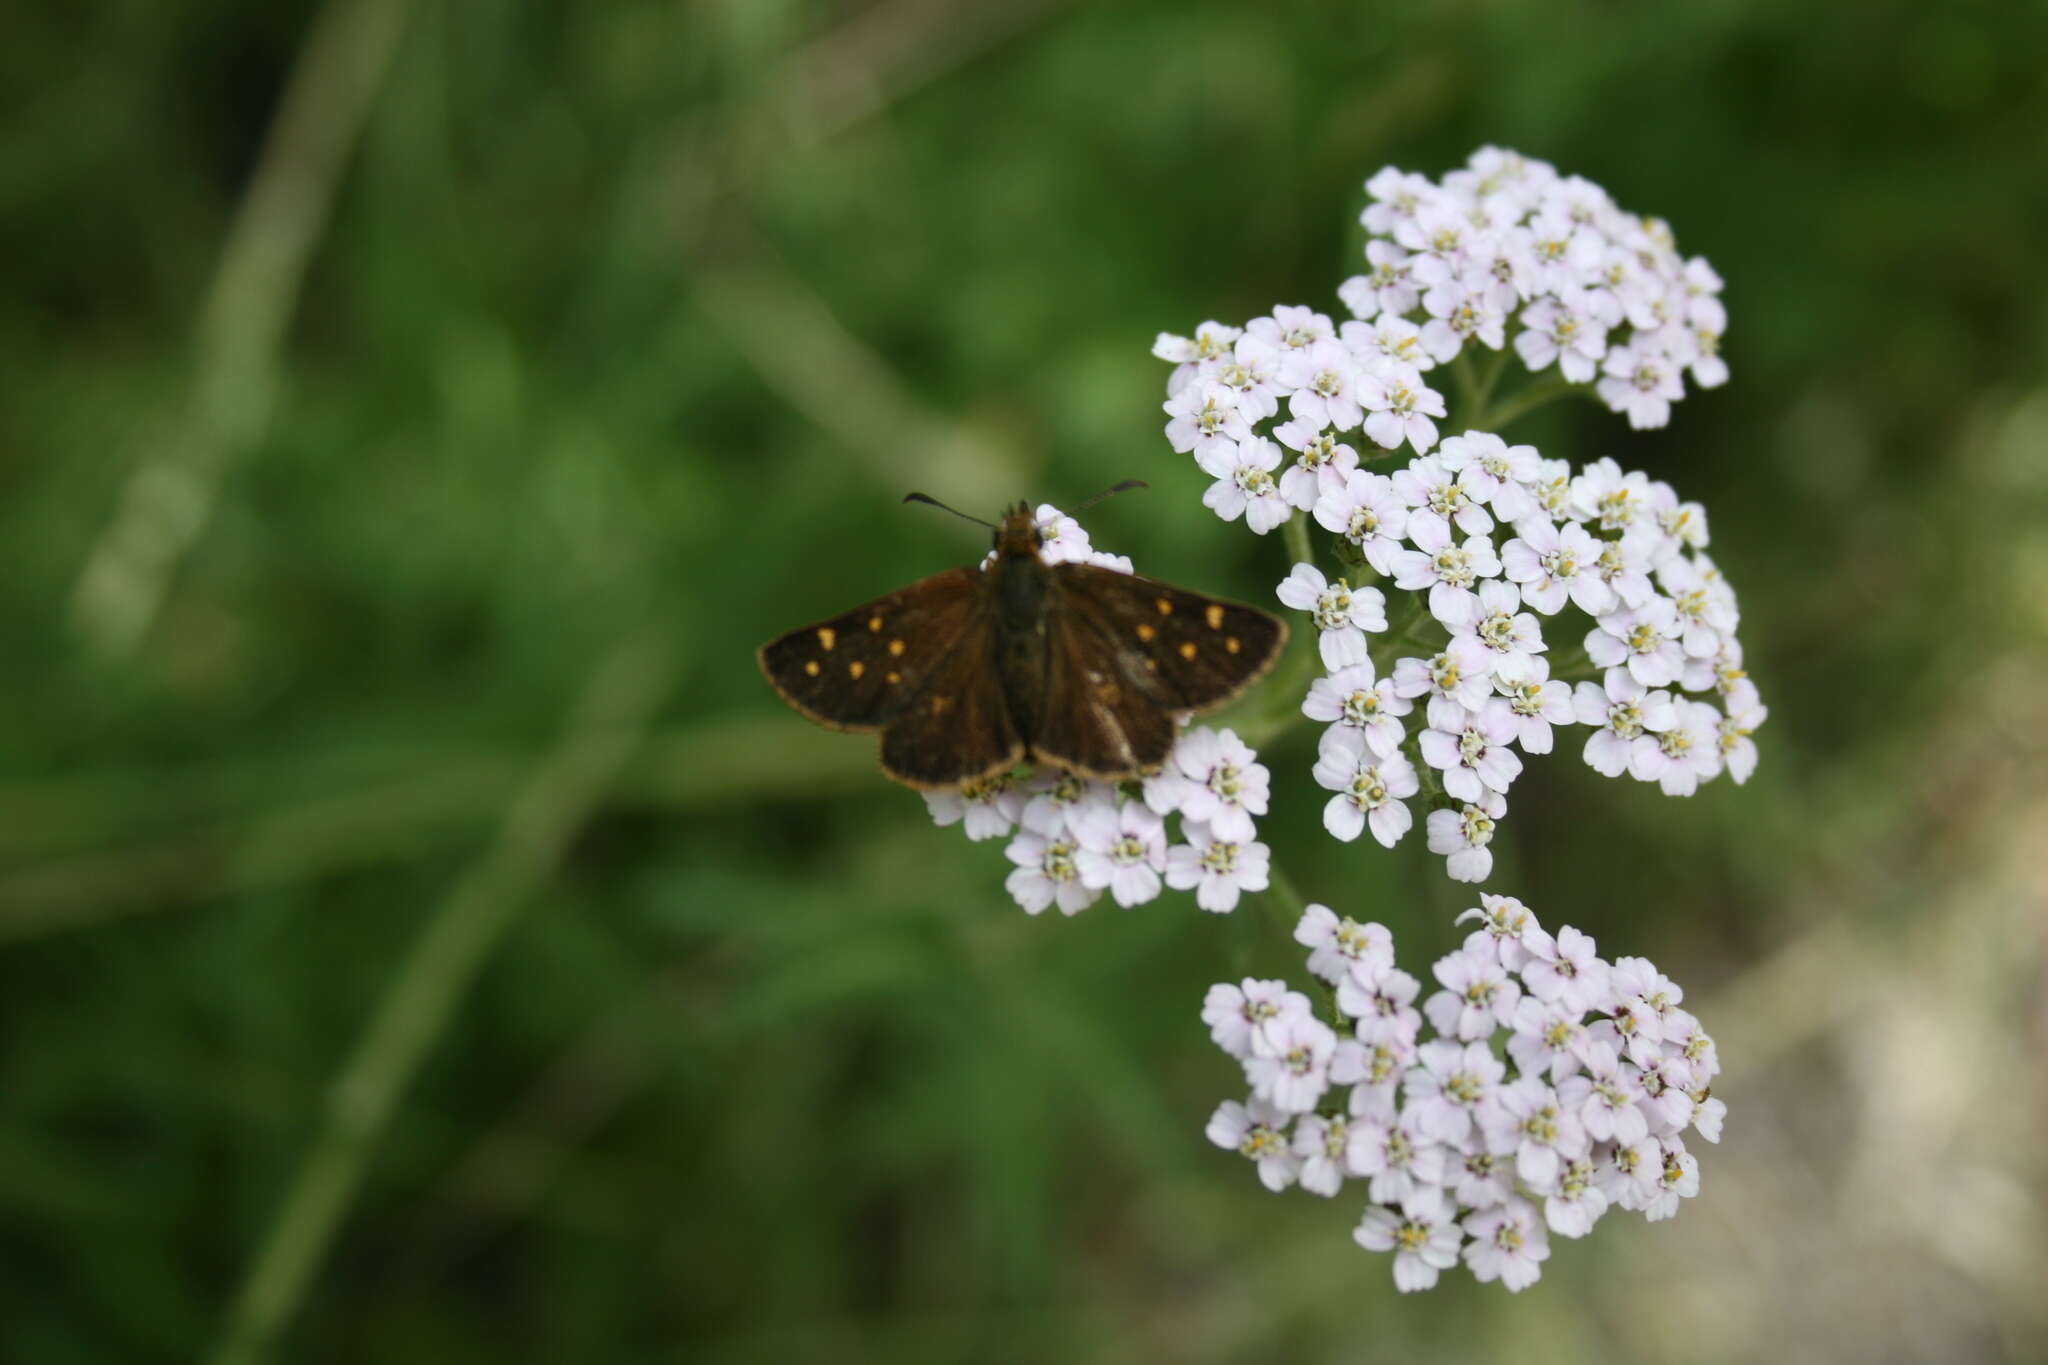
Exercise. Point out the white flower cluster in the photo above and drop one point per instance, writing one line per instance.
(1619, 547)
(1072, 837)
(1503, 250)
(1496, 536)
(1229, 380)
(1468, 1153)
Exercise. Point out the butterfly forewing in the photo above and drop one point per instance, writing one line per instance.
(1179, 650)
(860, 670)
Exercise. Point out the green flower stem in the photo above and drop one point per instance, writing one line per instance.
(1290, 680)
(1532, 398)
(1468, 385)
(1282, 900)
(1356, 571)
(1432, 789)
(1286, 688)
(607, 729)
(1491, 378)
(1475, 389)
(1295, 532)
(1285, 906)
(1404, 632)
(1571, 663)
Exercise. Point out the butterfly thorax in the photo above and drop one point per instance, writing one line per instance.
(1017, 576)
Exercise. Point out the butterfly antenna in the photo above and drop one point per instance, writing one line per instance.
(928, 498)
(1126, 486)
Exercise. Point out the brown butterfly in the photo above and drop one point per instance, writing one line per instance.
(969, 671)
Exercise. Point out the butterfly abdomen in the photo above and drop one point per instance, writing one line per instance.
(1020, 585)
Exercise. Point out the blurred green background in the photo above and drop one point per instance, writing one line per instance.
(424, 938)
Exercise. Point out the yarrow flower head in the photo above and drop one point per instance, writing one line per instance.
(1502, 253)
(1501, 593)
(1463, 1153)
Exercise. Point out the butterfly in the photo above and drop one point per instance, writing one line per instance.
(970, 672)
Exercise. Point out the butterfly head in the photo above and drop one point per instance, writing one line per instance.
(1019, 533)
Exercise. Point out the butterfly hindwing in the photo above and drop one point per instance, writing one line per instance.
(1095, 718)
(1180, 650)
(859, 670)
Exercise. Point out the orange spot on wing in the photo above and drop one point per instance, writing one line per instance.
(1215, 615)
(827, 637)
(1188, 651)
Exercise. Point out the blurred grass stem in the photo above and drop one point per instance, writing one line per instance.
(603, 734)
(403, 806)
(241, 324)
